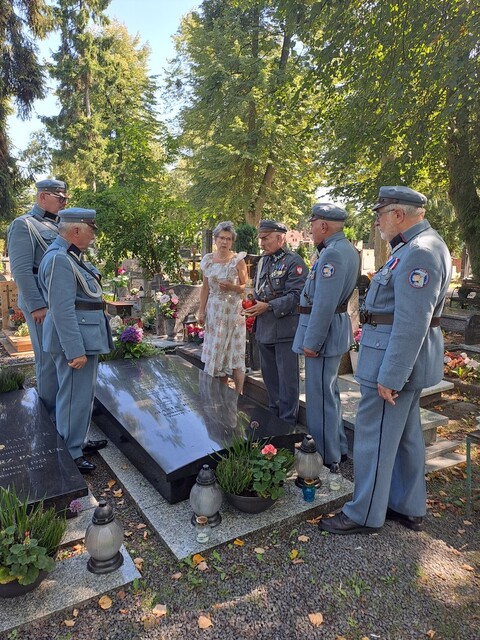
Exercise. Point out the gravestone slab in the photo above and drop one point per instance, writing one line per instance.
(33, 457)
(168, 418)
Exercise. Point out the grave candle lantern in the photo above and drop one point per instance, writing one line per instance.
(103, 539)
(206, 497)
(308, 462)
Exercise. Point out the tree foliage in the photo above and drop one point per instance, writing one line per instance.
(400, 84)
(21, 80)
(246, 135)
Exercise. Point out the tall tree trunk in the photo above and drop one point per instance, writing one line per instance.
(462, 189)
(252, 142)
(255, 213)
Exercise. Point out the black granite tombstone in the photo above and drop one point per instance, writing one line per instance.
(169, 418)
(33, 457)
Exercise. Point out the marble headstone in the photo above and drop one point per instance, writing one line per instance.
(169, 418)
(33, 457)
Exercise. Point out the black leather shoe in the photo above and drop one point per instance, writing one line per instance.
(415, 523)
(334, 467)
(344, 457)
(342, 525)
(84, 466)
(94, 445)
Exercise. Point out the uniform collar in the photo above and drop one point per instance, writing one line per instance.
(278, 254)
(75, 250)
(408, 234)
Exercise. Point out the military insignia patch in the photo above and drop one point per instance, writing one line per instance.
(418, 278)
(327, 270)
(299, 270)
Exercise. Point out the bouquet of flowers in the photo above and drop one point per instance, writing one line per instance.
(167, 302)
(356, 340)
(16, 318)
(195, 333)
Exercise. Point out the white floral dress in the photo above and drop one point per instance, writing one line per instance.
(224, 341)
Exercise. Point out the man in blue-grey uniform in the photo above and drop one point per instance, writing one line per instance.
(28, 237)
(401, 352)
(279, 279)
(324, 331)
(76, 329)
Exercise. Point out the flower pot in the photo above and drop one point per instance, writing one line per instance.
(249, 504)
(354, 360)
(14, 589)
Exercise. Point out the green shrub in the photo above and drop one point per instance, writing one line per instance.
(10, 379)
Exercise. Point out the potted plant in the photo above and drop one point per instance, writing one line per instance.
(252, 474)
(29, 539)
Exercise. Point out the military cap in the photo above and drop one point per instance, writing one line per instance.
(56, 186)
(272, 225)
(399, 195)
(78, 215)
(327, 211)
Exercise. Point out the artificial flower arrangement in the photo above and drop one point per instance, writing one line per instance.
(249, 468)
(127, 340)
(22, 330)
(459, 365)
(167, 302)
(196, 333)
(355, 346)
(16, 318)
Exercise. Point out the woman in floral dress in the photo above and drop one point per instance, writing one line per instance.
(224, 278)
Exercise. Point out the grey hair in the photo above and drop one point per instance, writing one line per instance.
(65, 227)
(412, 210)
(225, 226)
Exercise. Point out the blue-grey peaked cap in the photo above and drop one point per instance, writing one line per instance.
(77, 214)
(57, 186)
(272, 225)
(399, 195)
(327, 211)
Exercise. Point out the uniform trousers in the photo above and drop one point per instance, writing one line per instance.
(324, 408)
(45, 371)
(75, 398)
(280, 374)
(388, 458)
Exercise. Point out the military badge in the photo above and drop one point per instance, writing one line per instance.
(327, 270)
(299, 270)
(418, 278)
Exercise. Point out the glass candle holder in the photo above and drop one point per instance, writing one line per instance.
(309, 490)
(203, 529)
(335, 482)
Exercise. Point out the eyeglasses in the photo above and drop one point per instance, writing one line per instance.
(379, 214)
(56, 195)
(265, 236)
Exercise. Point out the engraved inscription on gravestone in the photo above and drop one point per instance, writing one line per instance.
(33, 457)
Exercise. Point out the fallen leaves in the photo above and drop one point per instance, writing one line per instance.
(238, 543)
(204, 622)
(177, 576)
(138, 562)
(69, 623)
(293, 554)
(314, 521)
(111, 483)
(105, 602)
(259, 550)
(316, 619)
(159, 610)
(118, 493)
(303, 539)
(467, 567)
(197, 559)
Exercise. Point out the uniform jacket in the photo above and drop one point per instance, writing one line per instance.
(412, 286)
(26, 251)
(280, 280)
(75, 332)
(330, 283)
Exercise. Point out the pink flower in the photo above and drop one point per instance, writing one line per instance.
(269, 450)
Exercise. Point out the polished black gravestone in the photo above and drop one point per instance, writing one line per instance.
(169, 418)
(33, 457)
